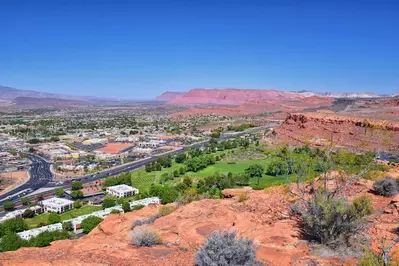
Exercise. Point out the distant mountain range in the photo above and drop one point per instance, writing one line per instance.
(33, 99)
(239, 96)
(11, 97)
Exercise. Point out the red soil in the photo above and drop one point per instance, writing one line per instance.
(115, 148)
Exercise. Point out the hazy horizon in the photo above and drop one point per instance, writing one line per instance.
(125, 49)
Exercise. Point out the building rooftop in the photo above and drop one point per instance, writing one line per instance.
(55, 202)
(122, 188)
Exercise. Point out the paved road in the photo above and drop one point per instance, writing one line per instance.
(41, 175)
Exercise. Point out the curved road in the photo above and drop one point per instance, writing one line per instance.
(41, 176)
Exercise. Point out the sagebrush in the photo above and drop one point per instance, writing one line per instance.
(224, 248)
(386, 187)
(145, 238)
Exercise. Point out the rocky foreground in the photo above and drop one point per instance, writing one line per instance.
(264, 217)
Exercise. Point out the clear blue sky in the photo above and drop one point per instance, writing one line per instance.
(138, 49)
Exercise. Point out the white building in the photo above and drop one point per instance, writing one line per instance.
(17, 214)
(57, 205)
(121, 191)
(34, 232)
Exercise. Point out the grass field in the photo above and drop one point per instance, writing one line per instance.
(42, 218)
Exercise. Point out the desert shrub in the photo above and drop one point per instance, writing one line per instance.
(145, 221)
(363, 206)
(371, 259)
(115, 211)
(137, 207)
(328, 220)
(243, 197)
(386, 187)
(165, 210)
(145, 238)
(223, 248)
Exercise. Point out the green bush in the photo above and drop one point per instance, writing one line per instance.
(53, 218)
(12, 226)
(108, 202)
(45, 238)
(59, 192)
(328, 220)
(28, 213)
(126, 206)
(77, 204)
(77, 194)
(90, 223)
(115, 211)
(77, 185)
(8, 205)
(67, 226)
(363, 205)
(137, 207)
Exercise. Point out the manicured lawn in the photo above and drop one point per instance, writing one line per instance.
(143, 180)
(42, 218)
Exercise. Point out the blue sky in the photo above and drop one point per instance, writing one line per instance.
(138, 49)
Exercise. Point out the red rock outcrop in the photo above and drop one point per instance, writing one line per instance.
(263, 217)
(348, 131)
(233, 96)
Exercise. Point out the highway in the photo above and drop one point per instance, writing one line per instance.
(39, 173)
(41, 176)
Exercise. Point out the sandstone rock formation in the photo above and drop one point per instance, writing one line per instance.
(340, 130)
(233, 96)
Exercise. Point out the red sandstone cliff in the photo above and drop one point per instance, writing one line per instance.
(348, 131)
(232, 96)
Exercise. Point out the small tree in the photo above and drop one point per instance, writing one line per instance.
(77, 185)
(77, 194)
(176, 173)
(28, 213)
(223, 248)
(53, 218)
(126, 206)
(90, 223)
(59, 192)
(255, 170)
(182, 171)
(8, 205)
(67, 226)
(180, 158)
(77, 204)
(108, 202)
(25, 201)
